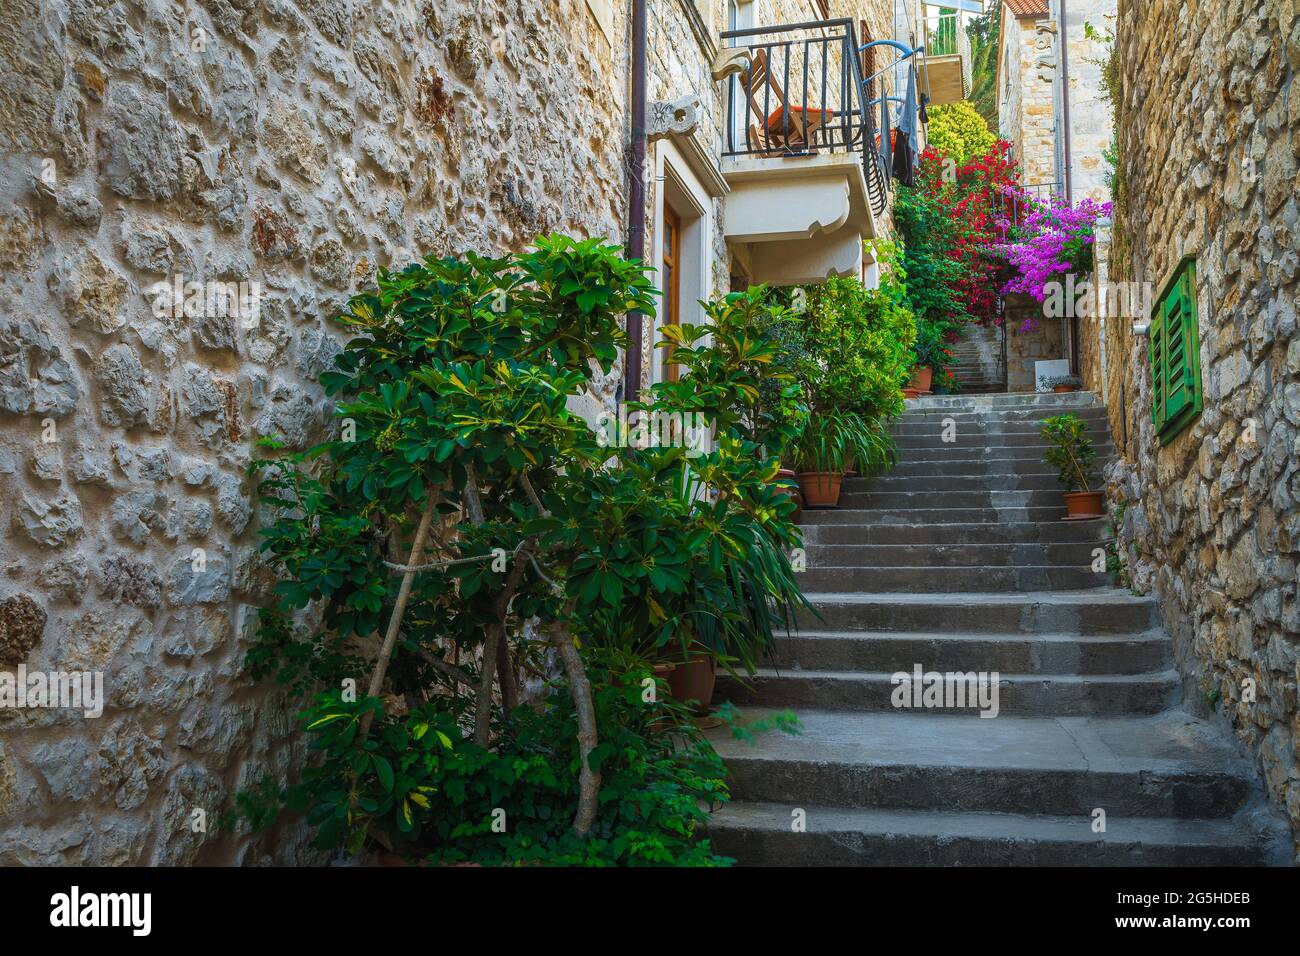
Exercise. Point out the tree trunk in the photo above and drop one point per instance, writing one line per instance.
(399, 609)
(495, 641)
(580, 689)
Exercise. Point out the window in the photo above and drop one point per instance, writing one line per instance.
(672, 283)
(1175, 351)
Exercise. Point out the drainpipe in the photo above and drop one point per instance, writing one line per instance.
(1063, 32)
(636, 193)
(1065, 97)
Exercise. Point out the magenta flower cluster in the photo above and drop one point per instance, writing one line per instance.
(1056, 240)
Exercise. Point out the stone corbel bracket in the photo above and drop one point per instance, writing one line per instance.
(732, 60)
(669, 117)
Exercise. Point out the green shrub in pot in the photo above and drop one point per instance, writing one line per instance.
(1071, 453)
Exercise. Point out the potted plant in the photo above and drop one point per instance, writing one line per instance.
(692, 679)
(1061, 383)
(1073, 456)
(929, 352)
(829, 441)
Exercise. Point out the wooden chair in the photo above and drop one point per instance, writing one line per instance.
(774, 133)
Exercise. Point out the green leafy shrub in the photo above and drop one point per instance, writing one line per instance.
(466, 526)
(850, 353)
(452, 800)
(958, 131)
(1071, 452)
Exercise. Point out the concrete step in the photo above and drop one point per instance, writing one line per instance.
(1022, 453)
(761, 834)
(973, 467)
(1038, 695)
(1009, 653)
(973, 437)
(935, 424)
(980, 532)
(1003, 513)
(1167, 765)
(1025, 414)
(1066, 400)
(1078, 554)
(980, 579)
(971, 498)
(907, 429)
(892, 481)
(1084, 612)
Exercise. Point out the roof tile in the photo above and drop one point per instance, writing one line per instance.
(1028, 8)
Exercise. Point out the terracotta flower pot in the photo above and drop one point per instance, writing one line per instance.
(1064, 388)
(694, 680)
(1083, 504)
(922, 375)
(909, 393)
(821, 489)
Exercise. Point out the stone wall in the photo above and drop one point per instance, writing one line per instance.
(1209, 134)
(1026, 106)
(1090, 113)
(294, 146)
(1044, 340)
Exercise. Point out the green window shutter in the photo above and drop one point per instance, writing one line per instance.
(1157, 334)
(1178, 394)
(1176, 397)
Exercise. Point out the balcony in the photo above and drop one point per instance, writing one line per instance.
(804, 188)
(1013, 208)
(945, 71)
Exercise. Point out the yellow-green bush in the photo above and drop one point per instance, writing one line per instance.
(958, 130)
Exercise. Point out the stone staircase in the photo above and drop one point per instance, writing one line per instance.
(957, 561)
(977, 361)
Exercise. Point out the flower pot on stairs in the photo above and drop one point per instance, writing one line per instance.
(1083, 504)
(693, 681)
(821, 489)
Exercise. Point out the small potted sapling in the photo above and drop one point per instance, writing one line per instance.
(1062, 383)
(929, 352)
(1073, 456)
(829, 441)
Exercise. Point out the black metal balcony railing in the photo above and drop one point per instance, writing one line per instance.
(803, 95)
(1013, 208)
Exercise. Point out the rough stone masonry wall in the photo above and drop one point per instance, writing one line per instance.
(1090, 113)
(1026, 110)
(1210, 136)
(1042, 342)
(295, 144)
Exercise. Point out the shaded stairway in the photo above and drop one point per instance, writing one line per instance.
(958, 561)
(978, 362)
